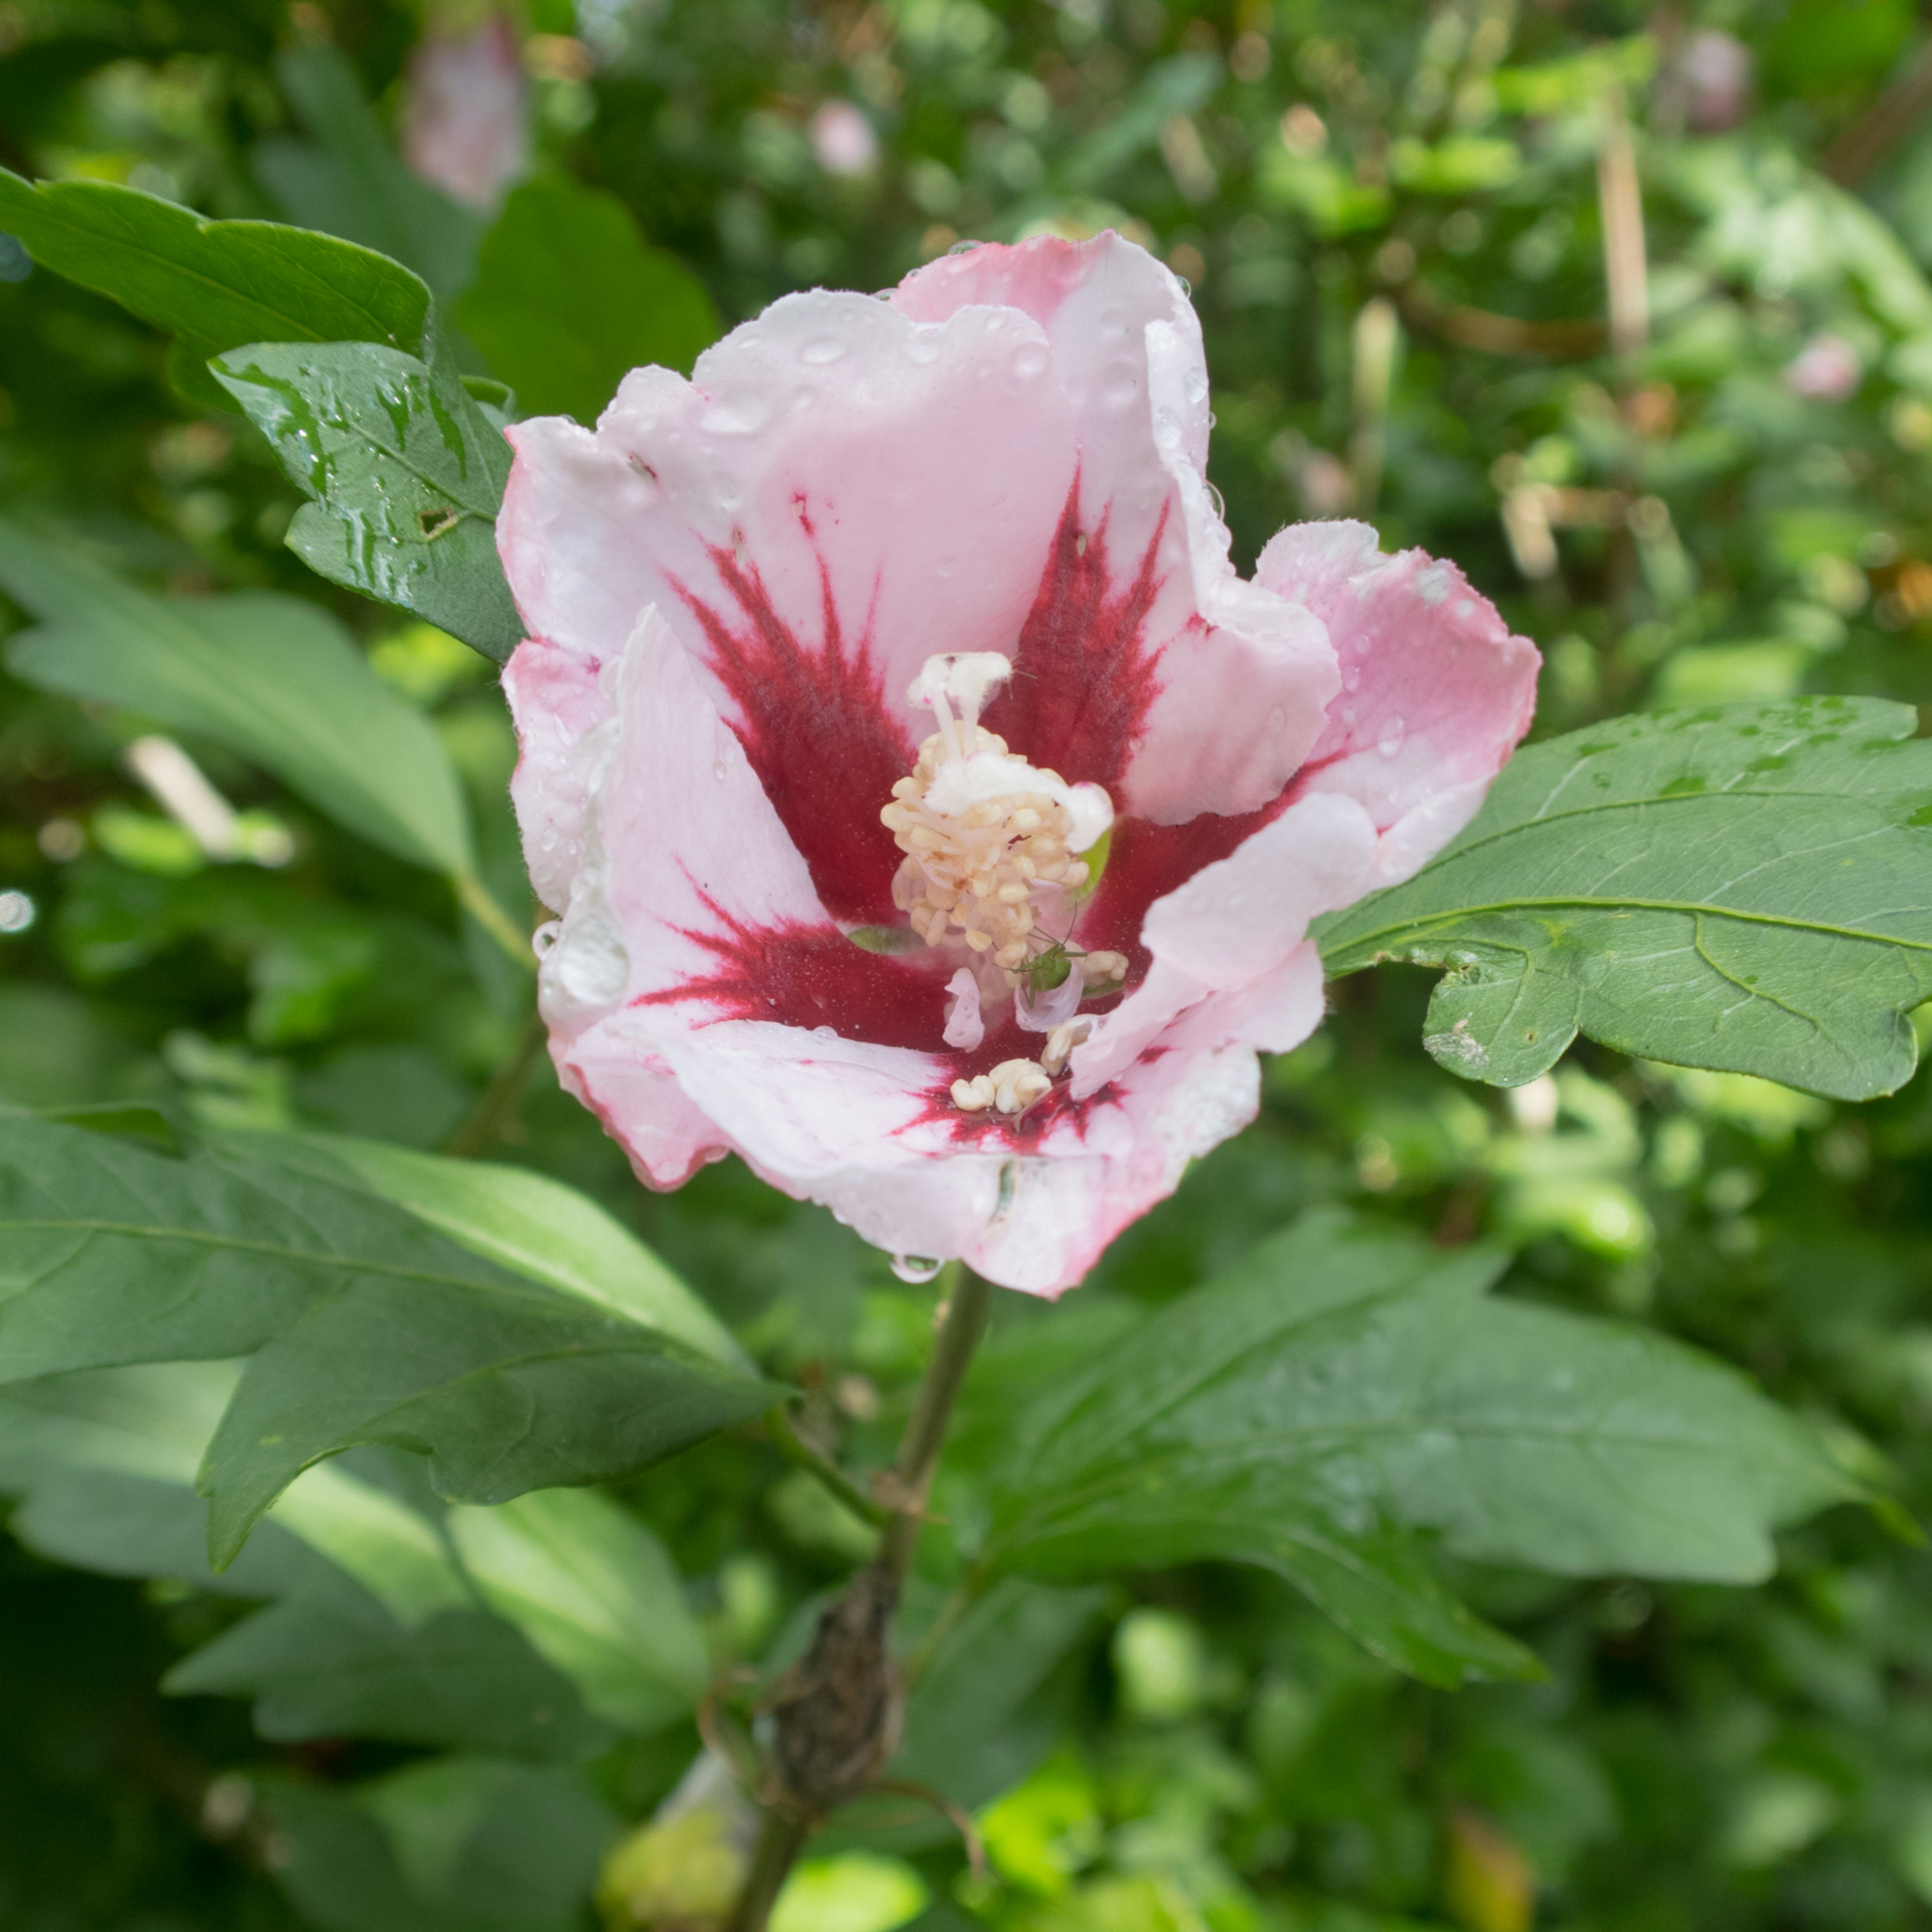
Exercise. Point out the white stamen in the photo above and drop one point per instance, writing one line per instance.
(1017, 1084)
(1010, 1088)
(1105, 966)
(991, 843)
(972, 1096)
(1061, 1042)
(965, 1029)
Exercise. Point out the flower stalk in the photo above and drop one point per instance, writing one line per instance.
(838, 1708)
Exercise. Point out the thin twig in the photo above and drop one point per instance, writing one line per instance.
(1499, 335)
(1626, 266)
(485, 1121)
(478, 903)
(955, 1815)
(1859, 148)
(795, 1448)
(950, 1612)
(837, 1709)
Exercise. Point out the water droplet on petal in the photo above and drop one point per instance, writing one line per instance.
(1197, 384)
(1029, 358)
(719, 772)
(821, 350)
(825, 1032)
(1391, 740)
(915, 1268)
(546, 936)
(1121, 390)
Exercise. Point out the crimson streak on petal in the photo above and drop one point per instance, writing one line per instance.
(1145, 862)
(811, 976)
(1084, 674)
(815, 726)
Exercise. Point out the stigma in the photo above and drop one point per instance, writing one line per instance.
(992, 843)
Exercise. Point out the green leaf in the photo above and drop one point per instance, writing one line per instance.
(980, 1718)
(595, 1592)
(528, 1222)
(365, 1323)
(448, 1846)
(330, 1661)
(1342, 1379)
(274, 679)
(216, 284)
(404, 472)
(1178, 85)
(378, 1631)
(104, 1463)
(348, 180)
(504, 1388)
(1746, 888)
(569, 298)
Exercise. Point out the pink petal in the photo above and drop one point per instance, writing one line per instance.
(1063, 1210)
(1234, 924)
(1214, 689)
(1436, 691)
(838, 493)
(556, 699)
(691, 916)
(613, 1069)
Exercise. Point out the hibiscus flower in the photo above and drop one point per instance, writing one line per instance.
(934, 815)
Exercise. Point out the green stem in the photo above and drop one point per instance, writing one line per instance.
(968, 1305)
(781, 1839)
(486, 1121)
(493, 919)
(793, 1446)
(955, 1606)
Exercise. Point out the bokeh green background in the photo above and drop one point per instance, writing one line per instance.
(1393, 218)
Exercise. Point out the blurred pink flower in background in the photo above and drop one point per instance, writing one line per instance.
(1825, 370)
(935, 816)
(843, 140)
(1715, 70)
(466, 119)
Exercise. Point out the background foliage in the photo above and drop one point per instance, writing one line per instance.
(1706, 483)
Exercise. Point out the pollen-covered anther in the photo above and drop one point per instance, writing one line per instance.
(1099, 966)
(990, 841)
(1009, 1088)
(1060, 1046)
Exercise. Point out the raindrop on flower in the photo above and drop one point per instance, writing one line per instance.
(1391, 740)
(546, 936)
(915, 1268)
